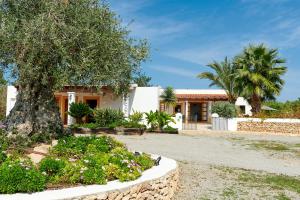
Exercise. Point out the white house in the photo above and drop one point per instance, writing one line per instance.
(193, 104)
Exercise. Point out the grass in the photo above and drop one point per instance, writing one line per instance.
(283, 197)
(229, 193)
(265, 184)
(270, 145)
(275, 181)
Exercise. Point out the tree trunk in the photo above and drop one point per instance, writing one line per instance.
(35, 114)
(255, 104)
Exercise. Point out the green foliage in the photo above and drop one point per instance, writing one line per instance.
(223, 76)
(136, 117)
(42, 44)
(99, 159)
(79, 110)
(151, 118)
(77, 146)
(168, 96)
(224, 109)
(104, 117)
(20, 176)
(142, 80)
(170, 129)
(74, 160)
(134, 120)
(51, 166)
(158, 119)
(259, 74)
(255, 74)
(3, 157)
(288, 109)
(164, 119)
(85, 125)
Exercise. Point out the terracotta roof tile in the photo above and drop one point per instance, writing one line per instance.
(202, 96)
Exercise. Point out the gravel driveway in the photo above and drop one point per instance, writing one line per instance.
(215, 149)
(197, 153)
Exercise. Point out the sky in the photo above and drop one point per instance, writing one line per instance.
(186, 35)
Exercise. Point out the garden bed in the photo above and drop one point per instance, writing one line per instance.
(163, 132)
(158, 182)
(72, 161)
(104, 130)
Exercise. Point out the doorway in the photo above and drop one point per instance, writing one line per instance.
(92, 104)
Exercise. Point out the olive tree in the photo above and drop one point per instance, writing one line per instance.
(50, 43)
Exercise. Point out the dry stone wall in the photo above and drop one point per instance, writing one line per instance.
(272, 127)
(158, 189)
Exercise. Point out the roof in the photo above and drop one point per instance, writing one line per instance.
(214, 97)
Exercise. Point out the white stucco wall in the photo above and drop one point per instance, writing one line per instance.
(243, 102)
(144, 99)
(10, 98)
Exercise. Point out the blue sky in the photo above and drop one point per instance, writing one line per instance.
(186, 35)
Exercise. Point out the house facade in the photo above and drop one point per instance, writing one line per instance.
(193, 104)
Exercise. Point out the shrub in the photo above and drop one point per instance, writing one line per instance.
(75, 147)
(3, 157)
(170, 129)
(74, 160)
(51, 166)
(224, 109)
(79, 110)
(288, 109)
(20, 176)
(151, 118)
(107, 116)
(158, 119)
(136, 117)
(164, 119)
(87, 125)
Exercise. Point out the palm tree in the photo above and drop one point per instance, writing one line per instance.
(169, 97)
(259, 72)
(223, 77)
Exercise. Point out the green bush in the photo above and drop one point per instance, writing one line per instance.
(288, 109)
(51, 166)
(74, 160)
(79, 110)
(158, 119)
(86, 125)
(3, 157)
(170, 129)
(20, 176)
(136, 117)
(151, 118)
(77, 146)
(224, 109)
(107, 116)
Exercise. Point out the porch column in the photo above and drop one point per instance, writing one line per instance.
(125, 105)
(209, 104)
(71, 99)
(186, 111)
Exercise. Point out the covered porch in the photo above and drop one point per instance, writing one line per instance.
(195, 108)
(95, 98)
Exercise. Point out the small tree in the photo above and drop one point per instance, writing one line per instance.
(79, 110)
(223, 76)
(168, 97)
(259, 74)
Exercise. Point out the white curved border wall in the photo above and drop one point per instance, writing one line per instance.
(166, 165)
